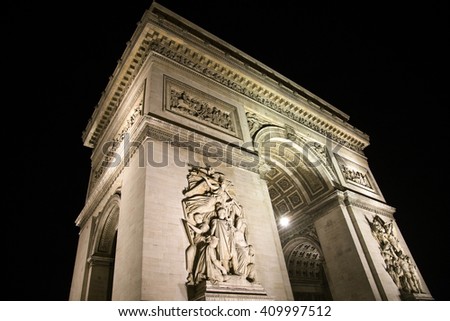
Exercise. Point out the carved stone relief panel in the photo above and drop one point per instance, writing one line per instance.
(216, 227)
(255, 122)
(355, 174)
(186, 101)
(397, 263)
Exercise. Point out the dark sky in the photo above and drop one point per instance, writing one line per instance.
(386, 66)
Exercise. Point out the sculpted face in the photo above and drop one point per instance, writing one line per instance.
(222, 213)
(198, 218)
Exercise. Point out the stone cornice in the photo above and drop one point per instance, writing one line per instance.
(110, 175)
(128, 67)
(368, 204)
(178, 137)
(169, 20)
(175, 38)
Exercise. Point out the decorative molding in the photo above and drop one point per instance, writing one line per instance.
(98, 193)
(115, 143)
(193, 141)
(306, 232)
(158, 129)
(370, 205)
(107, 227)
(323, 205)
(236, 71)
(305, 263)
(239, 83)
(303, 160)
(119, 84)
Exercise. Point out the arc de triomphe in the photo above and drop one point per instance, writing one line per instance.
(216, 178)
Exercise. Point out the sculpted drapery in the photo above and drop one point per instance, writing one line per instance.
(216, 228)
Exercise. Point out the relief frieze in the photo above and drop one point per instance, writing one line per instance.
(355, 174)
(191, 103)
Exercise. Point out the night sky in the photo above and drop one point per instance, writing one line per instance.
(386, 66)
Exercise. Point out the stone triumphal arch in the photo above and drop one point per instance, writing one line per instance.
(216, 178)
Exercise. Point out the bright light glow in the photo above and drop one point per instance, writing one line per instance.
(284, 221)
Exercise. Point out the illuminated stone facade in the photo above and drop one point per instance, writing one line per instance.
(212, 172)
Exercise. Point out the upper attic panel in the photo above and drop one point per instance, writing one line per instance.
(163, 32)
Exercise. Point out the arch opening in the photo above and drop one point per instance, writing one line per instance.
(101, 261)
(296, 182)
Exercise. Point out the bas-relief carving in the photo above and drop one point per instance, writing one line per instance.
(355, 174)
(216, 228)
(398, 264)
(255, 122)
(183, 103)
(191, 103)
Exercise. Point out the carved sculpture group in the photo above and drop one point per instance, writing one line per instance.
(216, 228)
(398, 264)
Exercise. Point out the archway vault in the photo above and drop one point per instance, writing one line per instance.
(306, 269)
(300, 176)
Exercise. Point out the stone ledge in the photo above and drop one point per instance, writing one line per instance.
(234, 289)
(416, 297)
